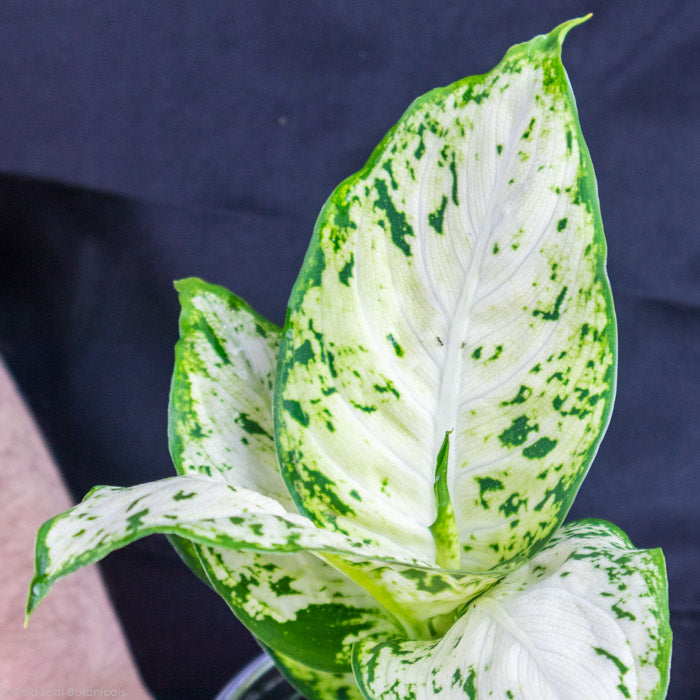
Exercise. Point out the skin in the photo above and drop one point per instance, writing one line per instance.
(74, 639)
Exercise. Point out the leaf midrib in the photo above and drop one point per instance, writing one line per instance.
(450, 378)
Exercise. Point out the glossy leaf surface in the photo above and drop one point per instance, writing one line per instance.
(586, 618)
(455, 285)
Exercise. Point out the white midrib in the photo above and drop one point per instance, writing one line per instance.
(450, 380)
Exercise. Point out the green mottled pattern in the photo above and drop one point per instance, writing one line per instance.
(477, 250)
(586, 618)
(220, 424)
(220, 419)
(199, 509)
(297, 604)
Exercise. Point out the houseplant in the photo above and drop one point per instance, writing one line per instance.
(378, 489)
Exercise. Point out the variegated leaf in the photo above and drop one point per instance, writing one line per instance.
(220, 424)
(199, 509)
(586, 618)
(314, 684)
(220, 413)
(455, 285)
(298, 604)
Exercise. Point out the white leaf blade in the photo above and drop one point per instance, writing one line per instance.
(219, 417)
(394, 336)
(587, 617)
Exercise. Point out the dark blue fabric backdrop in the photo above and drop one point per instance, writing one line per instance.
(142, 142)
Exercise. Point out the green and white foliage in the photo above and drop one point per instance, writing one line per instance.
(220, 425)
(585, 618)
(455, 285)
(375, 490)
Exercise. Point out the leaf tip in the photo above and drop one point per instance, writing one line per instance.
(38, 588)
(558, 34)
(188, 285)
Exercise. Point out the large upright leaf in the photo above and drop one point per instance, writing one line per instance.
(586, 618)
(220, 425)
(455, 286)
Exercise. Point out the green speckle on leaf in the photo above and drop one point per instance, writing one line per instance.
(469, 686)
(436, 218)
(215, 343)
(561, 224)
(620, 666)
(388, 387)
(342, 220)
(496, 353)
(486, 484)
(133, 522)
(346, 273)
(316, 265)
(182, 496)
(386, 165)
(400, 228)
(539, 449)
(304, 353)
(330, 361)
(295, 411)
(517, 432)
(251, 426)
(323, 489)
(552, 315)
(620, 613)
(477, 353)
(528, 131)
(363, 407)
(420, 149)
(523, 395)
(453, 170)
(499, 148)
(397, 348)
(512, 504)
(283, 586)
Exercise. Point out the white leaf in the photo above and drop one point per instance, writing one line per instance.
(456, 284)
(586, 618)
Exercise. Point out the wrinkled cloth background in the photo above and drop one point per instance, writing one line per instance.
(143, 142)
